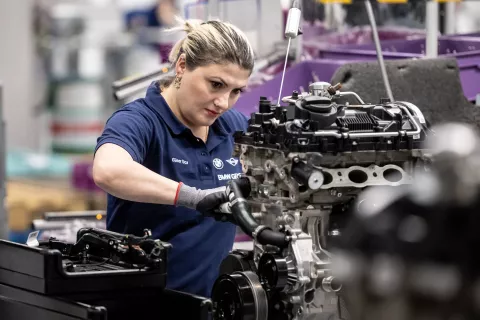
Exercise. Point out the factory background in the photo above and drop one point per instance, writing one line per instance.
(361, 162)
(60, 58)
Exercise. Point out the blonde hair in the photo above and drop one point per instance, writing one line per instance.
(212, 42)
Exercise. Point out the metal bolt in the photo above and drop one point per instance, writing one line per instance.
(289, 219)
(335, 232)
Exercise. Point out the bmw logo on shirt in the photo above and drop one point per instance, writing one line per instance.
(218, 163)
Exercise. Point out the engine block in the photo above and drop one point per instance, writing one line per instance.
(306, 162)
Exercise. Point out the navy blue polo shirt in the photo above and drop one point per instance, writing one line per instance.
(155, 138)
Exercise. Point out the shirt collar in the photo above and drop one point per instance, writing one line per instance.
(156, 101)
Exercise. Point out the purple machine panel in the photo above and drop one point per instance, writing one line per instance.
(465, 49)
(356, 36)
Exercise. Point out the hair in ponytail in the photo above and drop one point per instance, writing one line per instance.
(211, 42)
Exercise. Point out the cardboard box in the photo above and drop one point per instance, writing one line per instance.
(27, 200)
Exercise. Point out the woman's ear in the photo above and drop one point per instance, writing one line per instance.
(180, 66)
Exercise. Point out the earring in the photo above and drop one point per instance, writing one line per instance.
(177, 81)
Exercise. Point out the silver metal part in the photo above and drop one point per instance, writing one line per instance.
(283, 73)
(378, 48)
(320, 89)
(361, 177)
(336, 134)
(328, 284)
(431, 25)
(315, 181)
(289, 99)
(291, 32)
(416, 111)
(350, 93)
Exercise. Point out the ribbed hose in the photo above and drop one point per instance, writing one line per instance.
(241, 211)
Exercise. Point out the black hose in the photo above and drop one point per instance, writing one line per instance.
(241, 211)
(268, 236)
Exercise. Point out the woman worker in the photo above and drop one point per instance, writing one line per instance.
(165, 159)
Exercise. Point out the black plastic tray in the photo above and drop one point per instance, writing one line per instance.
(40, 270)
(138, 304)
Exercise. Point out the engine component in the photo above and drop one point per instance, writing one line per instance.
(141, 252)
(238, 260)
(273, 271)
(84, 280)
(306, 163)
(412, 253)
(240, 296)
(99, 260)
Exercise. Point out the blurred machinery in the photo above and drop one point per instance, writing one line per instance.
(129, 86)
(64, 225)
(3, 213)
(411, 252)
(85, 46)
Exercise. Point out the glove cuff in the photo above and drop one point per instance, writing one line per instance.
(176, 194)
(186, 196)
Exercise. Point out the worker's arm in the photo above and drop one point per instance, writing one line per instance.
(117, 173)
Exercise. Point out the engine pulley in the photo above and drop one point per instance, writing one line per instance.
(239, 296)
(273, 271)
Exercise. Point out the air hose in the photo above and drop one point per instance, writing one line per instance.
(241, 212)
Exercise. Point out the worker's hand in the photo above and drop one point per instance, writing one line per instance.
(204, 201)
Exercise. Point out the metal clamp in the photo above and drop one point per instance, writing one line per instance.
(258, 230)
(237, 200)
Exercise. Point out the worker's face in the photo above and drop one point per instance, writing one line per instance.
(207, 92)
